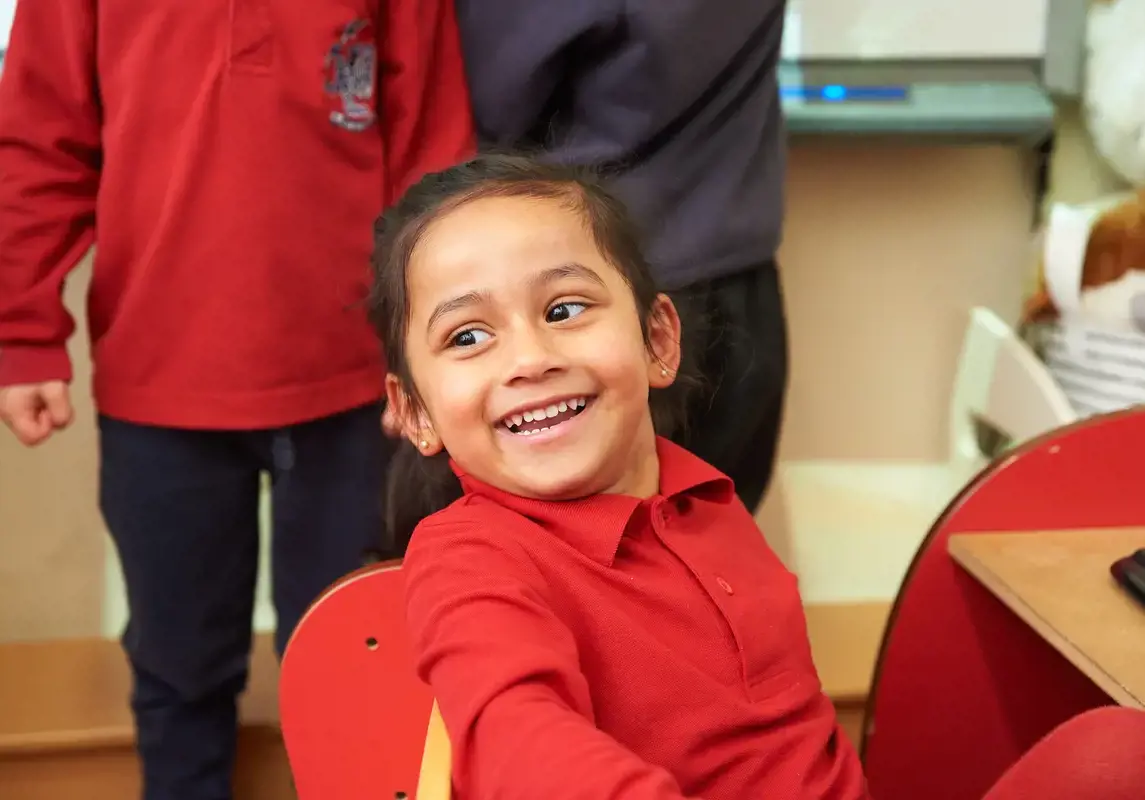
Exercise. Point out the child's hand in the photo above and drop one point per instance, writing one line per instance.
(34, 411)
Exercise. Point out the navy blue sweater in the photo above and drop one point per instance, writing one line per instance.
(677, 99)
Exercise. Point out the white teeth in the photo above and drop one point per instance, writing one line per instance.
(536, 415)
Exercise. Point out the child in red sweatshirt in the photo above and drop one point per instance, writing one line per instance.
(227, 160)
(595, 610)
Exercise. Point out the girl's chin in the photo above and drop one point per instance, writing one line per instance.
(562, 479)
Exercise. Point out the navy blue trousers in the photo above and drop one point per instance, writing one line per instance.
(735, 337)
(182, 508)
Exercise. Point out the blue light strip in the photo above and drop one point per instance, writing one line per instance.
(836, 93)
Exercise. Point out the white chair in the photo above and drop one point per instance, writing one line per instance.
(854, 525)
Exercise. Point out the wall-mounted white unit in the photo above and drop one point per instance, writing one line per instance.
(968, 69)
(908, 30)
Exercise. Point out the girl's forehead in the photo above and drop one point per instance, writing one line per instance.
(498, 235)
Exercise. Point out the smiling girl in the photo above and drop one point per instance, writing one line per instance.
(595, 610)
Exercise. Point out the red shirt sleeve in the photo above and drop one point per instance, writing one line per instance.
(49, 176)
(506, 675)
(424, 108)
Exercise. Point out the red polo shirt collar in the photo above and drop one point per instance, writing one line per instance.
(595, 525)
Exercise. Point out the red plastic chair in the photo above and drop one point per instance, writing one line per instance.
(962, 686)
(357, 722)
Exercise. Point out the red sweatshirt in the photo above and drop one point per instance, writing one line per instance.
(618, 649)
(229, 158)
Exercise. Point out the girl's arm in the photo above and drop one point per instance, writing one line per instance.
(506, 675)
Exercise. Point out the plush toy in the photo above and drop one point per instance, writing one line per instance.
(1090, 303)
(1115, 85)
(1093, 262)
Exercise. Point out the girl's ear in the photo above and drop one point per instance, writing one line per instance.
(664, 333)
(414, 422)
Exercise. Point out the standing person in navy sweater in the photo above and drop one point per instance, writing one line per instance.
(679, 103)
(228, 160)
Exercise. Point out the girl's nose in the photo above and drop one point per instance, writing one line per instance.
(533, 355)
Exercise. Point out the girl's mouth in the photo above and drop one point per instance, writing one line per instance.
(529, 423)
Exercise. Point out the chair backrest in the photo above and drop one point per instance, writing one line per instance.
(1002, 382)
(354, 714)
(962, 686)
(435, 782)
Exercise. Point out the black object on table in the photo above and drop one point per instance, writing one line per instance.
(1129, 572)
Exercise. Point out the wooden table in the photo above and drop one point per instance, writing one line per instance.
(1058, 582)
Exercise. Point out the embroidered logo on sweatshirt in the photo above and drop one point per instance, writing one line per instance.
(351, 70)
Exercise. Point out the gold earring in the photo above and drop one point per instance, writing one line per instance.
(424, 444)
(663, 373)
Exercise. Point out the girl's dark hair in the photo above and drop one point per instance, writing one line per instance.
(418, 486)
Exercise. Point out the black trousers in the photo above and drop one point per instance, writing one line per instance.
(735, 338)
(182, 508)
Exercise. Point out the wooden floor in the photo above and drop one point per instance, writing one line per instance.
(66, 733)
(845, 641)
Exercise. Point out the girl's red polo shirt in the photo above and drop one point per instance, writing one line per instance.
(616, 648)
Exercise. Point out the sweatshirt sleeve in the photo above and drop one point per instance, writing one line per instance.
(49, 176)
(516, 56)
(423, 104)
(505, 672)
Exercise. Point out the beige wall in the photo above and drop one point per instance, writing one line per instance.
(51, 536)
(886, 247)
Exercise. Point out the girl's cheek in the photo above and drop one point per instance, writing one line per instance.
(461, 399)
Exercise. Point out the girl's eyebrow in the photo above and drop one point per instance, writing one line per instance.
(473, 298)
(570, 270)
(538, 279)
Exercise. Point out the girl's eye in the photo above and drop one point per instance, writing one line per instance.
(562, 311)
(469, 338)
